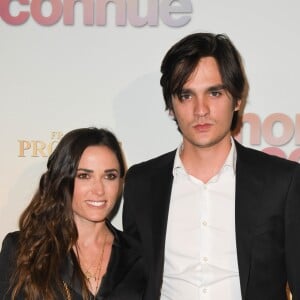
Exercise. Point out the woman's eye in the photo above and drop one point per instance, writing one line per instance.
(83, 176)
(111, 176)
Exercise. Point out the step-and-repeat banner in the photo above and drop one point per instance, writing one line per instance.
(75, 63)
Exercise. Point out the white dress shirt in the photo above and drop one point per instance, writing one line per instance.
(200, 250)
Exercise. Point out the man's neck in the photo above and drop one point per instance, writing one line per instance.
(205, 162)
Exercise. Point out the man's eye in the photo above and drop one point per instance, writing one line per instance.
(215, 93)
(184, 96)
(111, 176)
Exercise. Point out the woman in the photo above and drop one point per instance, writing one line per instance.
(66, 248)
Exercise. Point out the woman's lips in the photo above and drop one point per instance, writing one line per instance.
(96, 203)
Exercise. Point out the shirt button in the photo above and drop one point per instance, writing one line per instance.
(205, 259)
(204, 223)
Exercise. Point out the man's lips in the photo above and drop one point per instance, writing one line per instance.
(202, 127)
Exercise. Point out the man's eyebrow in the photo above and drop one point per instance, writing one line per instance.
(216, 87)
(185, 90)
(212, 88)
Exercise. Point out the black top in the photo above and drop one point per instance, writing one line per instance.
(124, 278)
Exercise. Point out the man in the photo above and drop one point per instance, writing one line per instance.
(216, 220)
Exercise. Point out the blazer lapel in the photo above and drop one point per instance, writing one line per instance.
(125, 257)
(248, 190)
(161, 186)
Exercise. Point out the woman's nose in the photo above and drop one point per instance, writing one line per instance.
(98, 187)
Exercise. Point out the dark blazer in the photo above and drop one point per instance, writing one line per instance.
(267, 221)
(124, 280)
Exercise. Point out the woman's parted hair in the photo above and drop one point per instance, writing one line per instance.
(47, 228)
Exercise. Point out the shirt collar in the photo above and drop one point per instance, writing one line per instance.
(230, 161)
(231, 158)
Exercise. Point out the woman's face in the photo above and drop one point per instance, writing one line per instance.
(97, 184)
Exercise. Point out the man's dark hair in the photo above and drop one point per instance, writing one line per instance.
(183, 57)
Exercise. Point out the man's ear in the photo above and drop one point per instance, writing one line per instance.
(171, 112)
(238, 105)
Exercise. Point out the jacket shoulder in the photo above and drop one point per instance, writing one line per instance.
(10, 242)
(258, 158)
(152, 165)
(8, 259)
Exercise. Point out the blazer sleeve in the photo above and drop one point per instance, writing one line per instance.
(7, 262)
(292, 234)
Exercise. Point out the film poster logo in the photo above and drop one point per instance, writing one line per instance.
(277, 131)
(38, 148)
(94, 12)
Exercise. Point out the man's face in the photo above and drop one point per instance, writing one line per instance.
(204, 109)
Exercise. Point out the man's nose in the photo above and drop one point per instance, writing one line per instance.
(201, 107)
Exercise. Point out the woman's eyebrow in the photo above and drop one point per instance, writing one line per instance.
(85, 170)
(111, 170)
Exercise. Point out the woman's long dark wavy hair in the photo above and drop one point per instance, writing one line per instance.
(47, 228)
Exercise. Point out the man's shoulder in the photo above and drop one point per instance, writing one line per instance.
(154, 164)
(260, 158)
